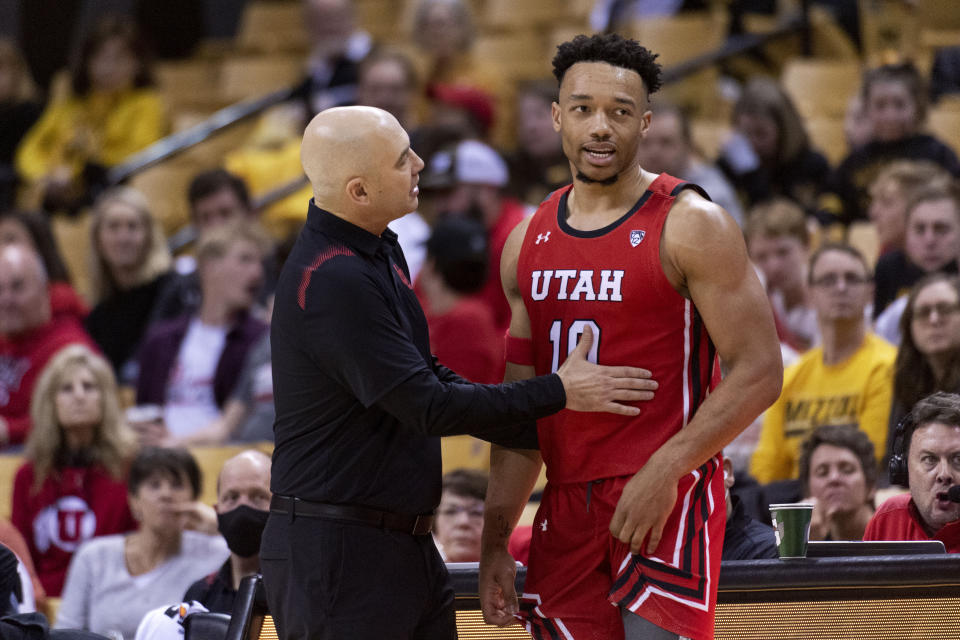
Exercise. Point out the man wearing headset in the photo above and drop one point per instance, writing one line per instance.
(926, 457)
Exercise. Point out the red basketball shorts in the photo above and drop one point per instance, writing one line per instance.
(580, 577)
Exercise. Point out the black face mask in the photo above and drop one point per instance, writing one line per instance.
(242, 528)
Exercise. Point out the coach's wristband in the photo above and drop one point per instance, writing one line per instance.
(519, 350)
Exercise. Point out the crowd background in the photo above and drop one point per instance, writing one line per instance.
(844, 139)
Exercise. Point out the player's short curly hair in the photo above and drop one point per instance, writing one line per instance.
(612, 49)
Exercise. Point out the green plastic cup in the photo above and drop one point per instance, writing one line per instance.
(791, 523)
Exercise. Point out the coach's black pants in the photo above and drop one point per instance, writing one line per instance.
(329, 579)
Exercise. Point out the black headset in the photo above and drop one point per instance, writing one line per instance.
(897, 468)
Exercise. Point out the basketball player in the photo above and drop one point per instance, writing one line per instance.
(658, 275)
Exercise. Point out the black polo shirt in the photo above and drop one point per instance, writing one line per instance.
(215, 591)
(360, 401)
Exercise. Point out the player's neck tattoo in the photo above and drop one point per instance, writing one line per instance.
(606, 182)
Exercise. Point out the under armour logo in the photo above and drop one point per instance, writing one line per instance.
(636, 237)
(543, 525)
(544, 237)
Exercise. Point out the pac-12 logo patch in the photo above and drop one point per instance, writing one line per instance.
(636, 237)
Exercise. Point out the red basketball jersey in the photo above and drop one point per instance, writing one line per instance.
(611, 279)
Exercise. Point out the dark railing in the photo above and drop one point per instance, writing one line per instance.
(182, 141)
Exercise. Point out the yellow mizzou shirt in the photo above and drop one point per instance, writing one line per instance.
(857, 391)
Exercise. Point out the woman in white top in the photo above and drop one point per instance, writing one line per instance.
(113, 581)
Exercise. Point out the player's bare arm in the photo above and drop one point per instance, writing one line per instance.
(513, 472)
(704, 257)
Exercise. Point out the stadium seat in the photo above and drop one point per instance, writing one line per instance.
(943, 121)
(677, 39)
(9, 463)
(820, 87)
(253, 76)
(827, 137)
(510, 14)
(211, 459)
(165, 187)
(190, 85)
(464, 452)
(708, 136)
(272, 26)
(863, 237)
(73, 239)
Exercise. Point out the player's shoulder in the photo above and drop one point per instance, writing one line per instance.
(699, 234)
(691, 208)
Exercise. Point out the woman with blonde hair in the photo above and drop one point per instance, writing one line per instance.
(129, 267)
(72, 486)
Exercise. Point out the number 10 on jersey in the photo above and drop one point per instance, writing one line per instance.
(573, 334)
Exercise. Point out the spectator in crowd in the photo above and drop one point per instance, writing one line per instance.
(386, 79)
(32, 232)
(112, 112)
(337, 46)
(19, 109)
(114, 580)
(467, 180)
(848, 379)
(72, 486)
(778, 240)
(243, 502)
(838, 473)
(926, 451)
(444, 32)
(216, 197)
(898, 184)
(769, 154)
(668, 148)
(456, 268)
(856, 126)
(929, 356)
(538, 166)
(932, 244)
(459, 84)
(463, 106)
(191, 364)
(460, 515)
(744, 538)
(129, 267)
(249, 413)
(895, 103)
(30, 334)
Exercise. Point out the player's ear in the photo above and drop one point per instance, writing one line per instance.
(555, 115)
(645, 122)
(357, 191)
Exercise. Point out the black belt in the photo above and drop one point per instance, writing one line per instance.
(416, 525)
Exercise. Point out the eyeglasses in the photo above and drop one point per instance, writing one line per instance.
(942, 309)
(454, 511)
(849, 278)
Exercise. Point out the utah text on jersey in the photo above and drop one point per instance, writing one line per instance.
(587, 286)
